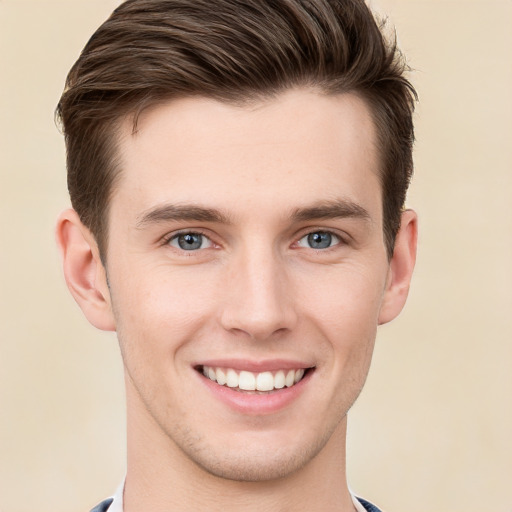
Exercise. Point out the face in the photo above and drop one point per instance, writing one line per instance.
(247, 271)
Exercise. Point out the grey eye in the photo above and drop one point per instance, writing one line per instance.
(319, 240)
(190, 241)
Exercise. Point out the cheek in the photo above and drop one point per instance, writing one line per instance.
(345, 310)
(344, 298)
(157, 312)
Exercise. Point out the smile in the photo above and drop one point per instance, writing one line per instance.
(250, 381)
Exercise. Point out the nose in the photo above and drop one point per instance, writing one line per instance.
(259, 299)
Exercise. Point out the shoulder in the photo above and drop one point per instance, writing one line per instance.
(103, 506)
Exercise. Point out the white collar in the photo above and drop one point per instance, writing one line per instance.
(117, 504)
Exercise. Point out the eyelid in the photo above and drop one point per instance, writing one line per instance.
(166, 239)
(336, 239)
(343, 237)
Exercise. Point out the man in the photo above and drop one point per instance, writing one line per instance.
(238, 171)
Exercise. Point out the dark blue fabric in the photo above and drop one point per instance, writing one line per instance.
(103, 506)
(368, 506)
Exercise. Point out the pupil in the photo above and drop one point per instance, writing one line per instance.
(320, 240)
(190, 241)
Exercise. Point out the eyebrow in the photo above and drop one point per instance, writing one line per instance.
(177, 212)
(336, 209)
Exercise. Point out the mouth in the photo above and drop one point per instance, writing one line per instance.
(254, 382)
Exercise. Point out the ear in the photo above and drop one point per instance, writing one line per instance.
(83, 270)
(400, 268)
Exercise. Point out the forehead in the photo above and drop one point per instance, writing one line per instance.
(288, 150)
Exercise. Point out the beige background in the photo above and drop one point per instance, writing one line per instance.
(432, 431)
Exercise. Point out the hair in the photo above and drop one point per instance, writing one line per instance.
(238, 51)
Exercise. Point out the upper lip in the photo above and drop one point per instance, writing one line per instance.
(256, 366)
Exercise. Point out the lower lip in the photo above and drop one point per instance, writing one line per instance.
(254, 403)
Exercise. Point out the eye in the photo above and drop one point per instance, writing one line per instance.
(319, 240)
(190, 241)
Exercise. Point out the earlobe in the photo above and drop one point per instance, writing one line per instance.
(83, 270)
(400, 268)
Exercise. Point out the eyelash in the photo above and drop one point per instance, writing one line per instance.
(174, 236)
(333, 237)
(338, 239)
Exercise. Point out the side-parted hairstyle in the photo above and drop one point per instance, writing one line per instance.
(236, 51)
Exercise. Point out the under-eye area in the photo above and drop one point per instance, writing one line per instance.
(257, 382)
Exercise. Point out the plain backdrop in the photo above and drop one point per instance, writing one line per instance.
(432, 431)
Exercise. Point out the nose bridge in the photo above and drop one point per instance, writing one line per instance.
(258, 296)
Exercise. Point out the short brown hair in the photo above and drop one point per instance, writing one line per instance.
(149, 51)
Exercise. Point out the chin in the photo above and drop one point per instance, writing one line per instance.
(260, 462)
(264, 469)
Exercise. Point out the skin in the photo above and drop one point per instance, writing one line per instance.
(253, 182)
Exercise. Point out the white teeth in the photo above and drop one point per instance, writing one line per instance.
(220, 376)
(290, 379)
(249, 381)
(298, 375)
(279, 380)
(265, 381)
(232, 379)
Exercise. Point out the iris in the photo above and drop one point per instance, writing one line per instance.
(319, 240)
